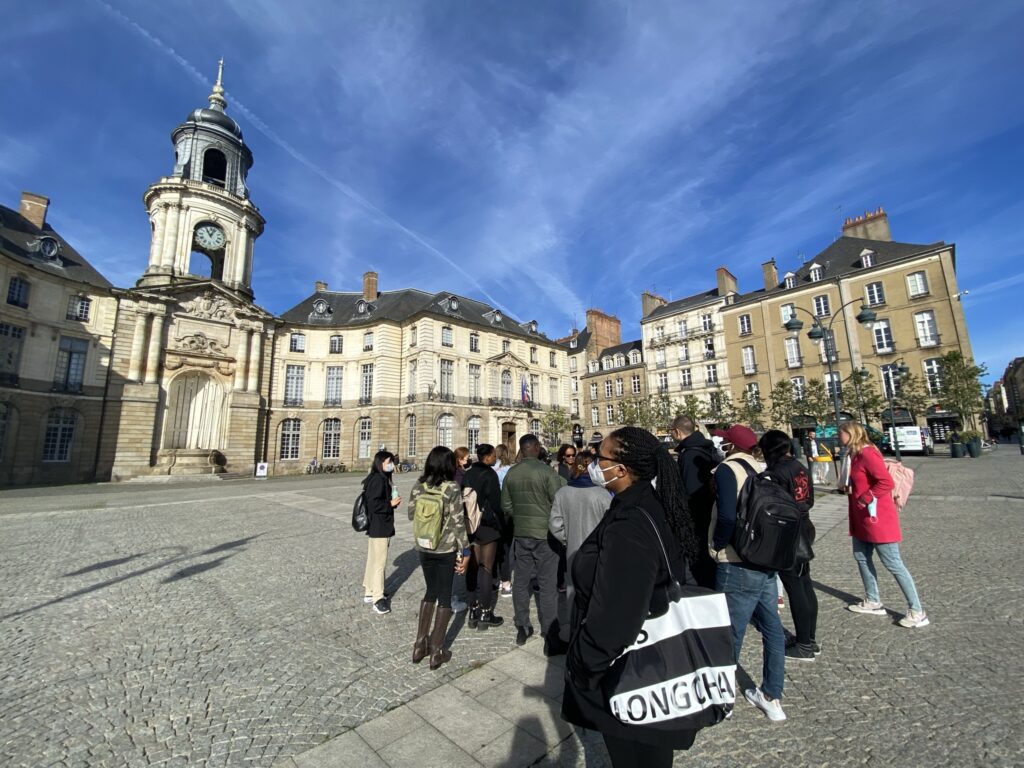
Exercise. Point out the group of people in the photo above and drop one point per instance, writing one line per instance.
(583, 527)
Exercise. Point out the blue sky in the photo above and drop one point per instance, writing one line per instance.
(545, 156)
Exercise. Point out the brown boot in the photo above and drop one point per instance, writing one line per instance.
(438, 655)
(420, 648)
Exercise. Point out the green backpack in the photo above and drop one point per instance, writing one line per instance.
(428, 517)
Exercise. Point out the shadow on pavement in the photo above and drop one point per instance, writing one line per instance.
(846, 597)
(192, 570)
(105, 564)
(405, 565)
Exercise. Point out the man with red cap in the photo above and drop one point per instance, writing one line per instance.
(751, 591)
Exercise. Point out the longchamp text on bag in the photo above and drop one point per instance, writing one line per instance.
(680, 673)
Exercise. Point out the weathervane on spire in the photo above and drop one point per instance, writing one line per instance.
(217, 100)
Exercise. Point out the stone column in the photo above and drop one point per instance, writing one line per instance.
(241, 358)
(255, 344)
(159, 227)
(170, 249)
(156, 334)
(138, 347)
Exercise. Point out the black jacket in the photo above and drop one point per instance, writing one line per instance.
(794, 478)
(696, 460)
(377, 493)
(618, 573)
(484, 480)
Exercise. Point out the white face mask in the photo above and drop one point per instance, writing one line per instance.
(389, 467)
(597, 473)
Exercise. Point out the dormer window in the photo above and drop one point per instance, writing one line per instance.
(634, 357)
(606, 363)
(360, 307)
(592, 366)
(496, 317)
(453, 304)
(620, 360)
(867, 258)
(573, 343)
(49, 247)
(533, 326)
(789, 280)
(816, 273)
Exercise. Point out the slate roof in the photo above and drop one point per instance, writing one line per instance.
(19, 239)
(625, 348)
(582, 339)
(681, 305)
(403, 305)
(841, 259)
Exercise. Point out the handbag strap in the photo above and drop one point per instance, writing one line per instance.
(674, 587)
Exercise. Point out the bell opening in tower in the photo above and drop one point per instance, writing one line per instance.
(215, 167)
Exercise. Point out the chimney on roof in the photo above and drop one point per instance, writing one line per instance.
(727, 285)
(650, 302)
(605, 330)
(873, 225)
(33, 207)
(369, 286)
(771, 274)
(320, 286)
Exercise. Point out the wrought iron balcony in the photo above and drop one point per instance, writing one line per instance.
(332, 401)
(446, 397)
(749, 370)
(709, 355)
(686, 386)
(366, 400)
(296, 401)
(475, 400)
(930, 341)
(887, 349)
(411, 398)
(795, 362)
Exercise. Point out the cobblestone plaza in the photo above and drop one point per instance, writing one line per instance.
(221, 623)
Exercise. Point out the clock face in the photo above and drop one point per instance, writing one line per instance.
(210, 236)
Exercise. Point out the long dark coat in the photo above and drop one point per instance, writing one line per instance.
(377, 493)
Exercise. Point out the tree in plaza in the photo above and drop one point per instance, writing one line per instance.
(555, 423)
(783, 408)
(861, 397)
(720, 409)
(960, 386)
(693, 407)
(816, 402)
(652, 413)
(663, 411)
(749, 410)
(911, 394)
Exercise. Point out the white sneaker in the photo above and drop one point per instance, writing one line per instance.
(868, 606)
(772, 708)
(915, 619)
(458, 606)
(368, 599)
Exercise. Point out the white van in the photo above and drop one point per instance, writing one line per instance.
(912, 439)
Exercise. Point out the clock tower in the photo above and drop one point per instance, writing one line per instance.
(202, 220)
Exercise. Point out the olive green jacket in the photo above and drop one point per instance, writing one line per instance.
(527, 495)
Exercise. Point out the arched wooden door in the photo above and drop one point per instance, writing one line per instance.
(195, 405)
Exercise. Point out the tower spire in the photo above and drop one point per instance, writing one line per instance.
(217, 100)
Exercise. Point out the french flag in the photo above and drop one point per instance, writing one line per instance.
(525, 389)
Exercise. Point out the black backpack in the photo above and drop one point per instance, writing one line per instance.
(768, 522)
(360, 514)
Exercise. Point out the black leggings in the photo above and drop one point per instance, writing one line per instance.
(632, 754)
(483, 555)
(438, 570)
(803, 603)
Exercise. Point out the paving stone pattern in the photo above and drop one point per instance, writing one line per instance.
(222, 624)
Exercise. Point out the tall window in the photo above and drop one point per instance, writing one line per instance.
(365, 437)
(366, 385)
(917, 284)
(707, 322)
(291, 433)
(446, 430)
(474, 342)
(682, 329)
(799, 387)
(659, 357)
(447, 379)
(685, 378)
(663, 381)
(412, 377)
(11, 339)
(595, 419)
(619, 388)
(609, 414)
(552, 360)
(474, 383)
(593, 390)
(294, 384)
(78, 308)
(534, 393)
(709, 348)
(933, 375)
(659, 332)
(793, 358)
(607, 389)
(575, 408)
(506, 345)
(473, 434)
(883, 336)
(297, 342)
(573, 364)
(834, 385)
(753, 394)
(635, 384)
(890, 379)
(533, 354)
(822, 308)
(60, 435)
(17, 292)
(337, 344)
(710, 374)
(332, 439)
(684, 353)
(927, 331)
(506, 386)
(787, 312)
(70, 364)
(535, 426)
(413, 334)
(447, 338)
(827, 346)
(745, 326)
(368, 341)
(332, 391)
(553, 390)
(410, 427)
(749, 363)
(875, 293)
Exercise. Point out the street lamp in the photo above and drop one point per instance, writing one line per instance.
(901, 371)
(824, 333)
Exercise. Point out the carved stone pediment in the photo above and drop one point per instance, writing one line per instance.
(507, 359)
(209, 306)
(199, 342)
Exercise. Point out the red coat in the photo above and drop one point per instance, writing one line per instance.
(869, 477)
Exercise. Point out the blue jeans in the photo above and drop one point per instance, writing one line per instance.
(753, 598)
(889, 554)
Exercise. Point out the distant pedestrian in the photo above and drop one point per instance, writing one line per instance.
(437, 494)
(526, 500)
(619, 572)
(502, 465)
(566, 458)
(697, 461)
(486, 540)
(381, 499)
(462, 460)
(776, 446)
(875, 526)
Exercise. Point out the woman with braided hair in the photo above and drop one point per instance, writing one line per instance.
(619, 574)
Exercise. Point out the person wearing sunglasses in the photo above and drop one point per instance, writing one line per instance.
(566, 458)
